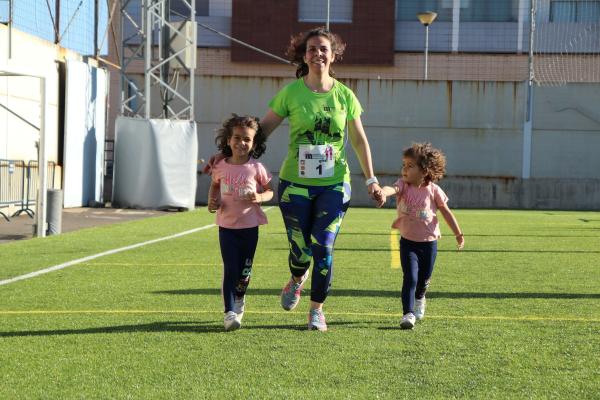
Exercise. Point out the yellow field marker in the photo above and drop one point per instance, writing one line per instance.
(384, 316)
(394, 249)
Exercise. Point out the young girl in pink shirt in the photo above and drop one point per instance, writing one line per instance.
(418, 198)
(239, 185)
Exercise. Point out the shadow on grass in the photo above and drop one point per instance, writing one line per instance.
(384, 249)
(13, 237)
(396, 293)
(159, 327)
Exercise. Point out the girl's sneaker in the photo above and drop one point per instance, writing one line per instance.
(290, 295)
(231, 321)
(420, 308)
(408, 321)
(238, 307)
(316, 320)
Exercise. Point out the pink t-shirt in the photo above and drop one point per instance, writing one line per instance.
(417, 207)
(235, 180)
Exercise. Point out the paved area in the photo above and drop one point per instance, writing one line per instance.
(21, 227)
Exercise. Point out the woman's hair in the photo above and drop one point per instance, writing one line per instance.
(431, 160)
(297, 48)
(246, 121)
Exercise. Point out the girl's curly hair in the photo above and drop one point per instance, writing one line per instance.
(431, 160)
(297, 48)
(246, 121)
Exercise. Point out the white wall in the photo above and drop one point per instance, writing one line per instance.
(22, 95)
(477, 124)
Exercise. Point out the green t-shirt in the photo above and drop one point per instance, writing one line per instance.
(316, 119)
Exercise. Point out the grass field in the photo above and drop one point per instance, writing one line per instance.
(514, 315)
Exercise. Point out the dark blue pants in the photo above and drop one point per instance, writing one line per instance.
(237, 249)
(313, 216)
(417, 259)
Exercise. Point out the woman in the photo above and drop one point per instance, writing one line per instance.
(314, 186)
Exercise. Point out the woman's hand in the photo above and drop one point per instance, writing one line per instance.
(377, 195)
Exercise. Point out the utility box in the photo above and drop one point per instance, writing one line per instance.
(184, 39)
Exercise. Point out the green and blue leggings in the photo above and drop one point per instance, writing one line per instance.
(313, 216)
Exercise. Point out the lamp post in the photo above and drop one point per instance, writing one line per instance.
(426, 18)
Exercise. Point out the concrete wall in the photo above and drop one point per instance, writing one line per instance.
(21, 95)
(477, 124)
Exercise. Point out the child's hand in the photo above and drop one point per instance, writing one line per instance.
(252, 197)
(460, 241)
(213, 204)
(380, 198)
(377, 195)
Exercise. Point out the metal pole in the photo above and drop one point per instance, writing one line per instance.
(528, 126)
(327, 22)
(426, 48)
(42, 167)
(165, 52)
(96, 16)
(10, 27)
(148, 56)
(57, 22)
(193, 69)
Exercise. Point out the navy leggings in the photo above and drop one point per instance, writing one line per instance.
(417, 259)
(237, 249)
(313, 216)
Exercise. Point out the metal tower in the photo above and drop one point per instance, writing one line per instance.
(160, 37)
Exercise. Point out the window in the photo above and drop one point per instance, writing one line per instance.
(575, 11)
(490, 11)
(316, 10)
(180, 8)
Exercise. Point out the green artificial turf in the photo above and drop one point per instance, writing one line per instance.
(516, 314)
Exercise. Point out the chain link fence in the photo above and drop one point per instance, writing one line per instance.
(69, 23)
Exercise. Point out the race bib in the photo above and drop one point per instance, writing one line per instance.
(316, 161)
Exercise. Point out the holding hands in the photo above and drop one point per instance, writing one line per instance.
(377, 195)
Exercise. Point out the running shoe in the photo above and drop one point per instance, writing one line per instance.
(231, 322)
(408, 321)
(238, 307)
(290, 295)
(420, 308)
(316, 320)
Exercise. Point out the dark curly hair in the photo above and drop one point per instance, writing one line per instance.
(246, 121)
(297, 48)
(431, 160)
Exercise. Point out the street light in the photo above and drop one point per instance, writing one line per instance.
(426, 18)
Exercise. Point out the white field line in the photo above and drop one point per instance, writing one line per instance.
(385, 316)
(105, 253)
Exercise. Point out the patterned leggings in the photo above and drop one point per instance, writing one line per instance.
(237, 249)
(313, 216)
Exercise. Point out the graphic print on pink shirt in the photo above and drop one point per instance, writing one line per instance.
(235, 182)
(417, 207)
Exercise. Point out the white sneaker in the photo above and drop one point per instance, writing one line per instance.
(419, 308)
(238, 307)
(231, 321)
(408, 321)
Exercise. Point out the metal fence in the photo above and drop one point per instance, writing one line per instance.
(19, 185)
